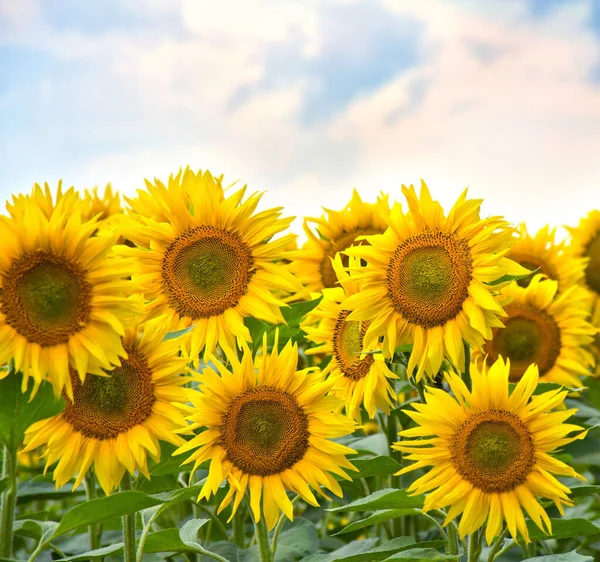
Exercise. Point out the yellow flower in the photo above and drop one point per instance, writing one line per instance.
(115, 421)
(358, 378)
(585, 243)
(268, 429)
(43, 199)
(543, 252)
(335, 232)
(210, 260)
(64, 299)
(545, 328)
(490, 451)
(425, 282)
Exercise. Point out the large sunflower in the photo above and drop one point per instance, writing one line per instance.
(209, 260)
(113, 422)
(426, 278)
(334, 233)
(268, 429)
(585, 243)
(489, 451)
(545, 328)
(64, 299)
(359, 378)
(543, 252)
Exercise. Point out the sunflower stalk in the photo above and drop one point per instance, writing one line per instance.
(467, 374)
(94, 529)
(474, 551)
(262, 540)
(9, 500)
(497, 545)
(128, 522)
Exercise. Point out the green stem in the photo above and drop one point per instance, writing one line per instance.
(474, 546)
(278, 528)
(439, 528)
(452, 539)
(214, 518)
(239, 524)
(128, 524)
(144, 535)
(262, 540)
(91, 494)
(467, 373)
(9, 500)
(497, 545)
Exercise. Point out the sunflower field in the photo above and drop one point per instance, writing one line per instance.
(184, 379)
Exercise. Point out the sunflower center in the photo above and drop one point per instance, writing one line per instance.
(45, 297)
(592, 271)
(264, 431)
(428, 277)
(493, 450)
(343, 242)
(348, 345)
(530, 336)
(206, 270)
(104, 407)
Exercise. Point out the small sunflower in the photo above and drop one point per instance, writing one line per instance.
(490, 451)
(64, 299)
(106, 206)
(335, 232)
(359, 378)
(545, 328)
(115, 421)
(426, 280)
(268, 429)
(585, 243)
(208, 261)
(543, 252)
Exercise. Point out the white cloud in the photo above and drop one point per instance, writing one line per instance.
(499, 101)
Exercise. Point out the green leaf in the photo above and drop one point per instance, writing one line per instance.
(226, 549)
(582, 491)
(293, 315)
(507, 278)
(376, 444)
(94, 511)
(376, 466)
(388, 498)
(18, 411)
(377, 517)
(99, 552)
(165, 540)
(562, 529)
(384, 550)
(351, 549)
(178, 333)
(566, 557)
(297, 541)
(32, 528)
(3, 484)
(189, 532)
(421, 555)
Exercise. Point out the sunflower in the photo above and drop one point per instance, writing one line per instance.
(268, 429)
(545, 328)
(359, 378)
(43, 198)
(107, 206)
(115, 421)
(426, 280)
(489, 451)
(585, 243)
(64, 299)
(209, 261)
(335, 232)
(543, 252)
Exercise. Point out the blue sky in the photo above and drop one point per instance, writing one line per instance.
(308, 100)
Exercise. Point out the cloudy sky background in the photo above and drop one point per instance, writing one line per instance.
(307, 99)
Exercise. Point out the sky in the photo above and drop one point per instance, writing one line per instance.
(308, 99)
